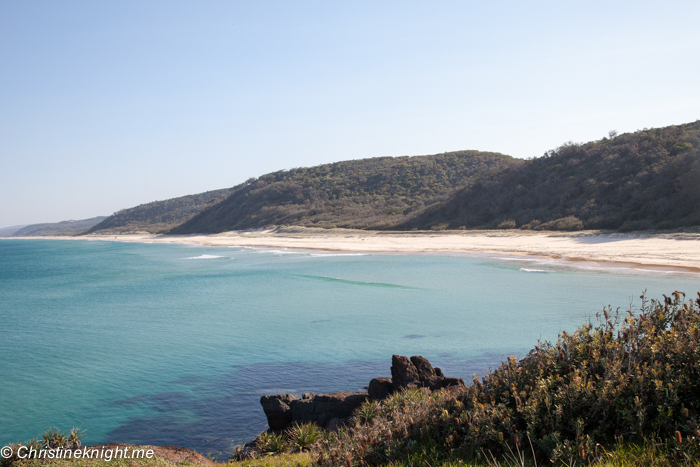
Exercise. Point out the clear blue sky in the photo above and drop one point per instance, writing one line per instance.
(106, 105)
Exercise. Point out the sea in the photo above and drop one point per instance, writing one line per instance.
(174, 344)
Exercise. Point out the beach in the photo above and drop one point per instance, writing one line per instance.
(650, 250)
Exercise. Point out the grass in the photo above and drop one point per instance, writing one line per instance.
(154, 462)
(621, 456)
(301, 459)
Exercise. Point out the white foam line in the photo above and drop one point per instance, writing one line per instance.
(316, 255)
(205, 257)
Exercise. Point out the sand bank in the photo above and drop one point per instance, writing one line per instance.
(678, 250)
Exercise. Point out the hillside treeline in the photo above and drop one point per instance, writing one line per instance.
(649, 179)
(635, 181)
(377, 193)
(58, 229)
(159, 216)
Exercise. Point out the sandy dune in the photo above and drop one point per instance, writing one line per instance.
(677, 250)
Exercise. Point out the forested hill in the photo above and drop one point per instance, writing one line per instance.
(159, 216)
(58, 229)
(642, 180)
(377, 193)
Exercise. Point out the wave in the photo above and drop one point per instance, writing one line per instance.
(272, 251)
(205, 257)
(319, 255)
(534, 270)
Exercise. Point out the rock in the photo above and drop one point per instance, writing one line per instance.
(403, 373)
(425, 369)
(278, 410)
(340, 404)
(330, 411)
(427, 374)
(380, 388)
(447, 382)
(325, 410)
(433, 383)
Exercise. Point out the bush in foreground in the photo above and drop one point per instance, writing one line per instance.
(629, 380)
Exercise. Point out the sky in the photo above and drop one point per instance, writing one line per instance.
(107, 105)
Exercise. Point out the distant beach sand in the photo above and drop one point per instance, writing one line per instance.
(664, 251)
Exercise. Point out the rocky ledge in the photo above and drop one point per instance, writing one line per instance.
(330, 411)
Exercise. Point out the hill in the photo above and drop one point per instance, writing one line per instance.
(159, 216)
(376, 193)
(635, 181)
(64, 228)
(9, 231)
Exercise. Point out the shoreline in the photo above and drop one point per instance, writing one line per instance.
(663, 252)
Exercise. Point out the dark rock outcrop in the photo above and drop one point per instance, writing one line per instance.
(277, 410)
(380, 388)
(325, 407)
(417, 372)
(330, 411)
(448, 382)
(403, 373)
(424, 368)
(427, 374)
(325, 410)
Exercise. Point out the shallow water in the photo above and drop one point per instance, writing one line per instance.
(175, 344)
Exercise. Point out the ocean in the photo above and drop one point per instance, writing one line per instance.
(168, 344)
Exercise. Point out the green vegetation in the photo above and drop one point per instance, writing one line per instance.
(628, 381)
(10, 231)
(377, 193)
(52, 438)
(635, 181)
(298, 438)
(154, 462)
(303, 459)
(58, 229)
(285, 460)
(159, 216)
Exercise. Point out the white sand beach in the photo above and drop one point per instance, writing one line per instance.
(666, 251)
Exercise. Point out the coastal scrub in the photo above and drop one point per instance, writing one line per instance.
(628, 380)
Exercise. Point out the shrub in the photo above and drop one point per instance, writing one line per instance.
(270, 443)
(569, 224)
(52, 438)
(680, 147)
(367, 412)
(531, 225)
(629, 378)
(507, 224)
(304, 436)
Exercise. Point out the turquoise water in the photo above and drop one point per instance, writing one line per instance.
(175, 344)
